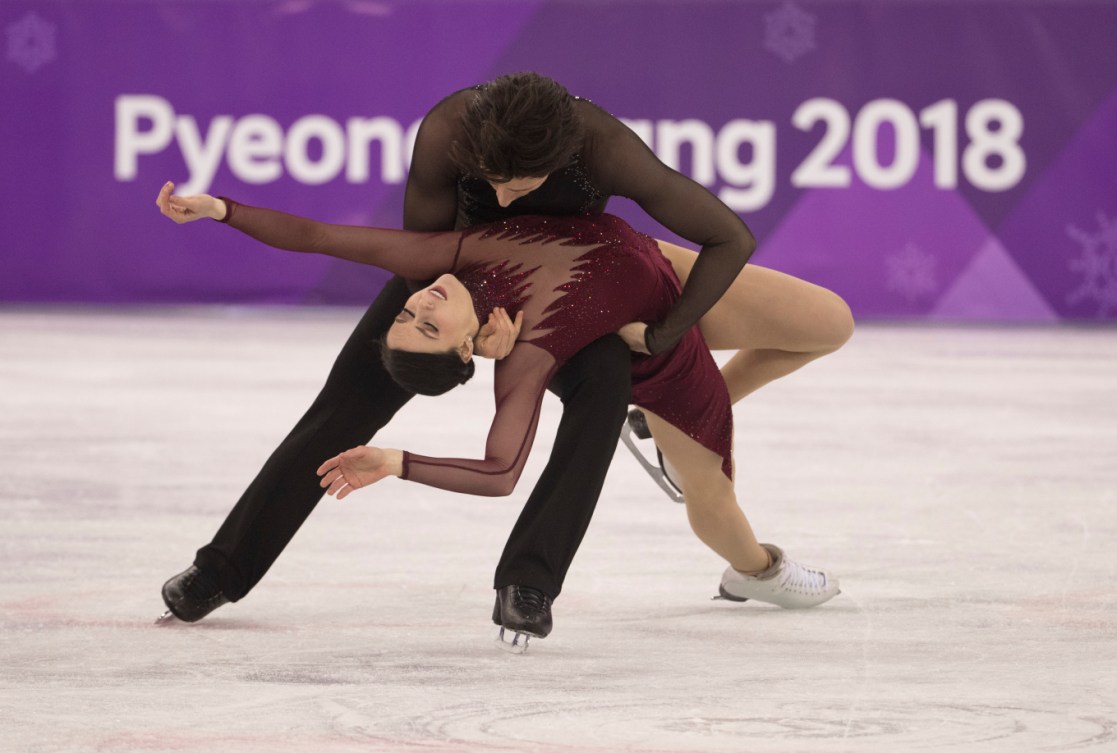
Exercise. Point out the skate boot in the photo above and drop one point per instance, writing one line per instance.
(785, 583)
(525, 611)
(661, 471)
(190, 596)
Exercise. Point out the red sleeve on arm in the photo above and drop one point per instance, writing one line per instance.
(414, 255)
(521, 380)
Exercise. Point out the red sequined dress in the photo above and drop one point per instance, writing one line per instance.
(576, 279)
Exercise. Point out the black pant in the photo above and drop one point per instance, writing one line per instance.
(359, 398)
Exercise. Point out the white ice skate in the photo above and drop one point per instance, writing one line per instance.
(636, 427)
(785, 583)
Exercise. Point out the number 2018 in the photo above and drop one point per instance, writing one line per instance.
(992, 159)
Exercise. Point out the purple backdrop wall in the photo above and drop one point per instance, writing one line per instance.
(924, 159)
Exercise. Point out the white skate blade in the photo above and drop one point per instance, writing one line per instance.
(517, 645)
(653, 469)
(166, 618)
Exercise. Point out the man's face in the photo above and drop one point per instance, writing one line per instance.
(508, 191)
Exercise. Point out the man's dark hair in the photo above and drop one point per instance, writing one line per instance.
(522, 125)
(426, 373)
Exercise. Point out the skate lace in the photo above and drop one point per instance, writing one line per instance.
(530, 600)
(795, 577)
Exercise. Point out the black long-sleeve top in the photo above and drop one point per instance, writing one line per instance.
(613, 162)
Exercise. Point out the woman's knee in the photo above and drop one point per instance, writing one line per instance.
(839, 322)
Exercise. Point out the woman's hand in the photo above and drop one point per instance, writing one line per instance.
(496, 338)
(633, 336)
(359, 467)
(188, 208)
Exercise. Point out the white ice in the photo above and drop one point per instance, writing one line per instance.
(962, 483)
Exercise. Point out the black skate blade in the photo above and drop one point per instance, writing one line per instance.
(723, 594)
(639, 424)
(518, 644)
(653, 469)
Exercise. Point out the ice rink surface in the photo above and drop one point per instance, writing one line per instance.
(961, 482)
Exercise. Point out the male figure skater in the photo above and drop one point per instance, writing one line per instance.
(520, 144)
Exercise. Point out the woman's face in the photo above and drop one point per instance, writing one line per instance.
(508, 191)
(436, 319)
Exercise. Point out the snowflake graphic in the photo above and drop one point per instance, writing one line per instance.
(911, 273)
(31, 42)
(789, 32)
(1097, 263)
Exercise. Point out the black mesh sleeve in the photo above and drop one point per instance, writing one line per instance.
(624, 166)
(430, 200)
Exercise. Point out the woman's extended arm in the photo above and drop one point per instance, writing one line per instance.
(414, 255)
(520, 381)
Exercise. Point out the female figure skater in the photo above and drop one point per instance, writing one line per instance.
(521, 144)
(572, 280)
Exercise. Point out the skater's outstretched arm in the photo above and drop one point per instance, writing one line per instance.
(423, 255)
(519, 383)
(414, 255)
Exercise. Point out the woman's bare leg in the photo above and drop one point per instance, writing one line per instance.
(777, 322)
(756, 572)
(711, 503)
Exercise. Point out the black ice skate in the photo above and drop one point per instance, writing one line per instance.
(190, 596)
(637, 426)
(526, 612)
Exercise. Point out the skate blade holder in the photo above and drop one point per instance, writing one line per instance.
(518, 643)
(629, 435)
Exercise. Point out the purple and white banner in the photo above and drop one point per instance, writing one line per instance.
(936, 159)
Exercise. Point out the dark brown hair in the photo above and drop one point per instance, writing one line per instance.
(522, 125)
(426, 373)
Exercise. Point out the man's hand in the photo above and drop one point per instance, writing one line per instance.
(496, 338)
(359, 467)
(633, 336)
(183, 209)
